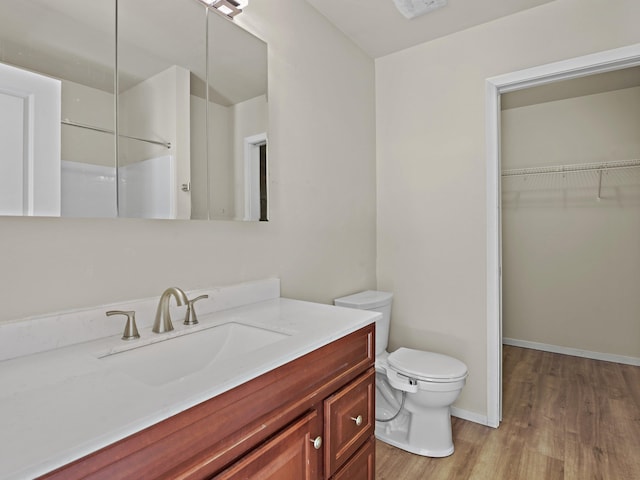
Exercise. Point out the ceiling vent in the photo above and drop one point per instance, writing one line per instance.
(415, 8)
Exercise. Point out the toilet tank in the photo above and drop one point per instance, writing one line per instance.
(375, 301)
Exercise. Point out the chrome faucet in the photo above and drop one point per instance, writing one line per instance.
(163, 317)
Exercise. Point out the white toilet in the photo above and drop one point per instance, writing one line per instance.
(414, 389)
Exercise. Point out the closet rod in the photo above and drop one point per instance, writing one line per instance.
(580, 167)
(166, 145)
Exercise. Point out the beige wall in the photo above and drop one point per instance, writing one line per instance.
(571, 263)
(321, 237)
(603, 127)
(431, 166)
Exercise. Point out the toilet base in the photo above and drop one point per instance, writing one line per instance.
(396, 433)
(427, 433)
(403, 445)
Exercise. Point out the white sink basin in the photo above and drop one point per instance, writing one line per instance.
(190, 352)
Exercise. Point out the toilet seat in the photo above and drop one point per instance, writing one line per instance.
(427, 366)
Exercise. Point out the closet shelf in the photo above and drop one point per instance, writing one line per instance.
(580, 167)
(593, 173)
(70, 123)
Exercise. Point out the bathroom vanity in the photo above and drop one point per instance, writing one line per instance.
(303, 420)
(298, 405)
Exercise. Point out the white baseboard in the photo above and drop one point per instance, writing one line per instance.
(471, 416)
(576, 352)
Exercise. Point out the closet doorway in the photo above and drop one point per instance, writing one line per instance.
(570, 168)
(535, 82)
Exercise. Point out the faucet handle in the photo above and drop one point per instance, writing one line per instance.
(130, 329)
(191, 318)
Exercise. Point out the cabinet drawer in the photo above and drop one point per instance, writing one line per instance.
(362, 466)
(290, 454)
(349, 421)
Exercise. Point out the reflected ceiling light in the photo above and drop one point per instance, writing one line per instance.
(415, 8)
(230, 8)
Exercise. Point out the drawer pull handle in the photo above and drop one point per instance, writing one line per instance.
(357, 419)
(317, 442)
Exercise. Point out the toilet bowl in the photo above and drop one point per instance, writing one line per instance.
(414, 388)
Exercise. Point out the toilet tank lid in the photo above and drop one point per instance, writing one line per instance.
(365, 300)
(427, 365)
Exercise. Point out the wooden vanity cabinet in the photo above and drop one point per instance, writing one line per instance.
(296, 452)
(311, 418)
(348, 421)
(290, 454)
(362, 466)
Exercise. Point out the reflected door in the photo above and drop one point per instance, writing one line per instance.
(12, 167)
(29, 142)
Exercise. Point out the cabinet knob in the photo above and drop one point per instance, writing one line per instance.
(357, 419)
(317, 442)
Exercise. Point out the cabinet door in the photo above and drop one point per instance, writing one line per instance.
(291, 454)
(362, 466)
(349, 420)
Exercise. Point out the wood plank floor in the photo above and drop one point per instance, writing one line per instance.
(564, 418)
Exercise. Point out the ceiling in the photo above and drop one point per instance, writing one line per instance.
(379, 28)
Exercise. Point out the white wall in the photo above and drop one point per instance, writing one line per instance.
(87, 190)
(212, 185)
(199, 175)
(31, 109)
(431, 166)
(221, 159)
(249, 118)
(159, 109)
(571, 262)
(228, 126)
(321, 237)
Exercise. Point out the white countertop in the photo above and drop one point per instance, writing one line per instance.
(60, 405)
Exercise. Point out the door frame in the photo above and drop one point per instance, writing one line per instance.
(251, 175)
(595, 63)
(41, 100)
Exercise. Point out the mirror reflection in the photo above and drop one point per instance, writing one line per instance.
(190, 111)
(56, 76)
(238, 120)
(156, 64)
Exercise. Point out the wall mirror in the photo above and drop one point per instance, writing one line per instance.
(131, 108)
